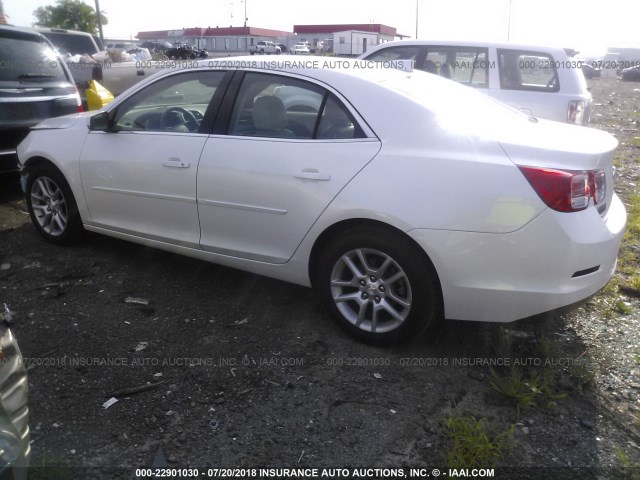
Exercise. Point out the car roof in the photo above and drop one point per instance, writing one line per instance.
(22, 31)
(466, 43)
(63, 30)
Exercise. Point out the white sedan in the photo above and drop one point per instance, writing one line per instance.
(403, 197)
(300, 49)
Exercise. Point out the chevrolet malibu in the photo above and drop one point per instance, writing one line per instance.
(401, 196)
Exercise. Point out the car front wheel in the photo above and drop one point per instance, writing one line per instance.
(52, 208)
(380, 286)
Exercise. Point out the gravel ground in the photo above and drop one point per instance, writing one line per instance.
(219, 368)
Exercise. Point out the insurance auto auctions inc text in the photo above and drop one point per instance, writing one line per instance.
(337, 473)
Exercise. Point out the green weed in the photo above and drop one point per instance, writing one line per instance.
(474, 444)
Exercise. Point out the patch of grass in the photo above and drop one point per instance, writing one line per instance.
(582, 372)
(635, 141)
(628, 262)
(525, 389)
(631, 471)
(547, 348)
(474, 444)
(609, 301)
(622, 307)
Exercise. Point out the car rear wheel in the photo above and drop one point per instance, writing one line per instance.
(379, 285)
(52, 207)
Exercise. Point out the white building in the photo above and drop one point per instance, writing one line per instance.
(353, 42)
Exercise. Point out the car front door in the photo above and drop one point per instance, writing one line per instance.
(139, 176)
(289, 147)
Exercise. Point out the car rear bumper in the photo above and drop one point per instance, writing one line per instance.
(558, 259)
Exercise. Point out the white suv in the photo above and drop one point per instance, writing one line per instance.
(538, 80)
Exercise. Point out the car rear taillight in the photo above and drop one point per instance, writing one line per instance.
(567, 190)
(599, 186)
(575, 112)
(79, 101)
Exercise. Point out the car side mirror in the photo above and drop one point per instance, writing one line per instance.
(100, 122)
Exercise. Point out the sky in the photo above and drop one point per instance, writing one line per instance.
(588, 25)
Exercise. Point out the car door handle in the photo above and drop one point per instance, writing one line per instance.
(313, 174)
(175, 163)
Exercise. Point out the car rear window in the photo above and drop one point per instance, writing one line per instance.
(28, 58)
(72, 43)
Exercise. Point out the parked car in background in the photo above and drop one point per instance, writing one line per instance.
(538, 80)
(77, 48)
(589, 71)
(295, 173)
(300, 49)
(264, 47)
(283, 48)
(185, 51)
(631, 74)
(35, 84)
(155, 46)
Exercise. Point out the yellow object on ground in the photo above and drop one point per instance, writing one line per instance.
(97, 95)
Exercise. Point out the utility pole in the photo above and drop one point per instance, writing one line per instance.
(99, 19)
(509, 23)
(417, 19)
(246, 38)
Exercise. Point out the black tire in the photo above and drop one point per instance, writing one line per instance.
(52, 206)
(417, 285)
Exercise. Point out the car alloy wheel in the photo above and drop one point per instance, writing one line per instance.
(371, 290)
(51, 205)
(379, 284)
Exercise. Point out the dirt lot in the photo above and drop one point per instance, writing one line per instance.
(241, 371)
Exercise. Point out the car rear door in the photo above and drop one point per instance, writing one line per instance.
(280, 155)
(529, 82)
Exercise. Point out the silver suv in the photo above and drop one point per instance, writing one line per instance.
(35, 84)
(539, 80)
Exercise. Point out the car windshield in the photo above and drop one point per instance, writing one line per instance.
(28, 58)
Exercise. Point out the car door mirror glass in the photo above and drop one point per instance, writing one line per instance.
(100, 122)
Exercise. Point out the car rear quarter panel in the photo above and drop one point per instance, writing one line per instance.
(429, 174)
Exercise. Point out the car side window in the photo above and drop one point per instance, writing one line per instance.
(390, 54)
(337, 122)
(466, 65)
(277, 106)
(173, 104)
(524, 70)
